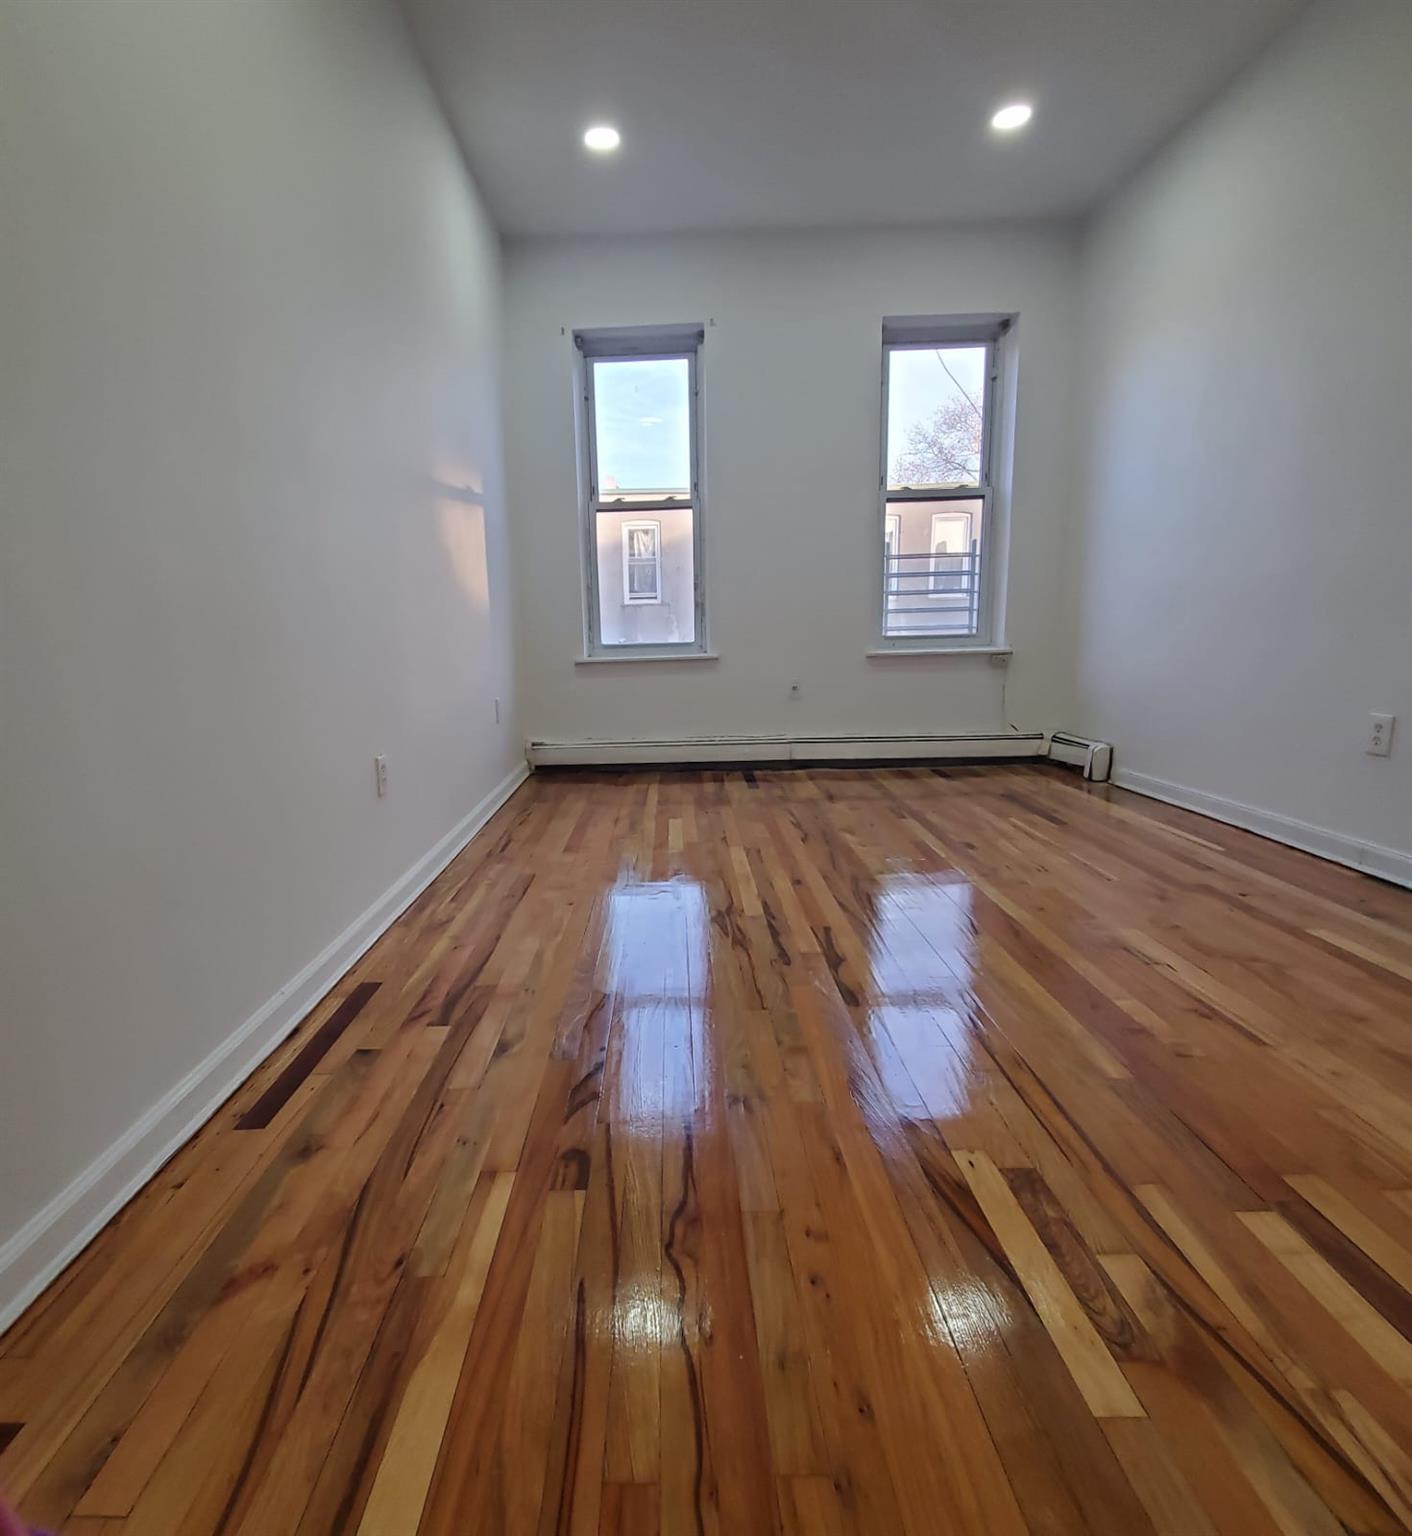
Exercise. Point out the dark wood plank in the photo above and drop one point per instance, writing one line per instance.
(279, 1093)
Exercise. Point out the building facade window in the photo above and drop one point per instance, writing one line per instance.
(642, 562)
(952, 547)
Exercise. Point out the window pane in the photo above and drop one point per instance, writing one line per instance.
(932, 567)
(624, 617)
(935, 400)
(642, 418)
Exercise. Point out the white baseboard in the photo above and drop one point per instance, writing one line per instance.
(1369, 858)
(776, 749)
(51, 1238)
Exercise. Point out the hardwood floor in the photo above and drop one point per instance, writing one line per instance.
(898, 1151)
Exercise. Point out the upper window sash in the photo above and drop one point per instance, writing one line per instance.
(628, 500)
(958, 491)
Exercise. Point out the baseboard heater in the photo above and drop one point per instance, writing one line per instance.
(701, 750)
(1095, 758)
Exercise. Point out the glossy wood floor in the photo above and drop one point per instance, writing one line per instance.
(844, 1151)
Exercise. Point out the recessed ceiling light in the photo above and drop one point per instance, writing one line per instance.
(1013, 115)
(602, 138)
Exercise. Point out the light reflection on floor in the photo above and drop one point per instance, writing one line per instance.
(920, 945)
(658, 1084)
(658, 978)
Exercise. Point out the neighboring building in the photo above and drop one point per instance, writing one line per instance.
(645, 586)
(932, 566)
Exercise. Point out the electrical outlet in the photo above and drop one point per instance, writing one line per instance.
(1380, 735)
(380, 775)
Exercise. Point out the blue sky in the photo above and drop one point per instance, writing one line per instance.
(644, 427)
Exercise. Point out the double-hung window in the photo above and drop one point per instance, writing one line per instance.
(939, 394)
(642, 491)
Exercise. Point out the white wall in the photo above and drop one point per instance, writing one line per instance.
(791, 374)
(252, 534)
(1245, 594)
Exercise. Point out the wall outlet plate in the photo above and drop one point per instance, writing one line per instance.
(1380, 728)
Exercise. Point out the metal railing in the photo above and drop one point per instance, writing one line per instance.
(926, 594)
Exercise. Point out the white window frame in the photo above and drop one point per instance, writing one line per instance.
(636, 526)
(923, 333)
(639, 344)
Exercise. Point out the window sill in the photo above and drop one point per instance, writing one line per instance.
(942, 650)
(593, 661)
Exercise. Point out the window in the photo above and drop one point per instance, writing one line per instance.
(641, 435)
(642, 562)
(938, 402)
(951, 549)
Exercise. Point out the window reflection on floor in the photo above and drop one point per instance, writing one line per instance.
(920, 947)
(657, 975)
(657, 1086)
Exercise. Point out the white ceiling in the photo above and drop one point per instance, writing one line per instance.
(799, 113)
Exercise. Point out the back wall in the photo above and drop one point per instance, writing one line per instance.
(791, 368)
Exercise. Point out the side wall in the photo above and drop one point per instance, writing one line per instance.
(1245, 589)
(790, 373)
(253, 534)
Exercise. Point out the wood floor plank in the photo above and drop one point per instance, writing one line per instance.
(850, 1151)
(277, 1095)
(796, 1435)
(1341, 1300)
(1164, 1492)
(1239, 1476)
(529, 1407)
(405, 1470)
(1094, 1370)
(630, 1509)
(1358, 1226)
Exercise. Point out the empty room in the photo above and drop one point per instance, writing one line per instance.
(705, 768)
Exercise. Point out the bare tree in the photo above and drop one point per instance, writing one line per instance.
(945, 449)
